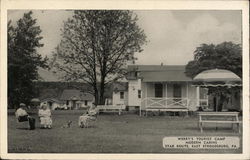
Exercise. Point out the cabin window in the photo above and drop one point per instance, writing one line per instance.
(158, 90)
(139, 93)
(121, 95)
(67, 102)
(85, 102)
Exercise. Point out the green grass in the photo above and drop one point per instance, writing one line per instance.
(110, 134)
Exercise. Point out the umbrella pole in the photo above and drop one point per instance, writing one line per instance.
(216, 104)
(216, 108)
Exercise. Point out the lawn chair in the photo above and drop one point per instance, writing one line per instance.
(86, 121)
(31, 120)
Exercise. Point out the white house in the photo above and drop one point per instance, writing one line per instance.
(163, 86)
(52, 103)
(120, 93)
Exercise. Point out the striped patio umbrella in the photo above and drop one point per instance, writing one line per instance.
(217, 78)
(35, 100)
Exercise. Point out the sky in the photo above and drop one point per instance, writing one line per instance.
(172, 35)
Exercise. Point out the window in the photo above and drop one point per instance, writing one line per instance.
(139, 93)
(158, 90)
(121, 95)
(85, 102)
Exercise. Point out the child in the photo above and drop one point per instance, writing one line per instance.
(45, 117)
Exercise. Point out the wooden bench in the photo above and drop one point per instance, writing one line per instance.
(111, 108)
(219, 117)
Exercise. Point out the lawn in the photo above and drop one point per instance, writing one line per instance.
(128, 133)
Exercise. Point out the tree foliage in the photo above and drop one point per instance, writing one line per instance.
(96, 45)
(226, 55)
(23, 40)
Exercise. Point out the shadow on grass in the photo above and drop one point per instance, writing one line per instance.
(86, 127)
(22, 128)
(212, 129)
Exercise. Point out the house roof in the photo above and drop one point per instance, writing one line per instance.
(156, 67)
(161, 73)
(73, 94)
(49, 93)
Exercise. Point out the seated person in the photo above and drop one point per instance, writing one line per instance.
(93, 111)
(22, 116)
(82, 122)
(90, 115)
(45, 117)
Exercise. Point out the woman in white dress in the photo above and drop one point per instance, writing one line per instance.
(45, 117)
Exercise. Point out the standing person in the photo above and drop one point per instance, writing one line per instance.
(22, 116)
(45, 117)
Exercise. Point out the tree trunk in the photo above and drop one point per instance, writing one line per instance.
(96, 94)
(218, 101)
(221, 101)
(102, 88)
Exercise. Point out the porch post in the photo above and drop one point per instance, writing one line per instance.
(197, 96)
(146, 85)
(166, 91)
(187, 94)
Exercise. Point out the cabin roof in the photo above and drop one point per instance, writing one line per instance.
(74, 94)
(160, 73)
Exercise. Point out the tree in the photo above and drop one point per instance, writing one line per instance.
(95, 46)
(23, 59)
(226, 55)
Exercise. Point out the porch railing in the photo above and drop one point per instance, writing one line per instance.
(166, 103)
(152, 102)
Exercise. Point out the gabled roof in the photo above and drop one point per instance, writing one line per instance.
(49, 93)
(156, 67)
(160, 73)
(73, 94)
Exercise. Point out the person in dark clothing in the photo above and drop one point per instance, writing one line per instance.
(23, 116)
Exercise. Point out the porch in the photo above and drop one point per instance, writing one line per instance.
(165, 104)
(171, 97)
